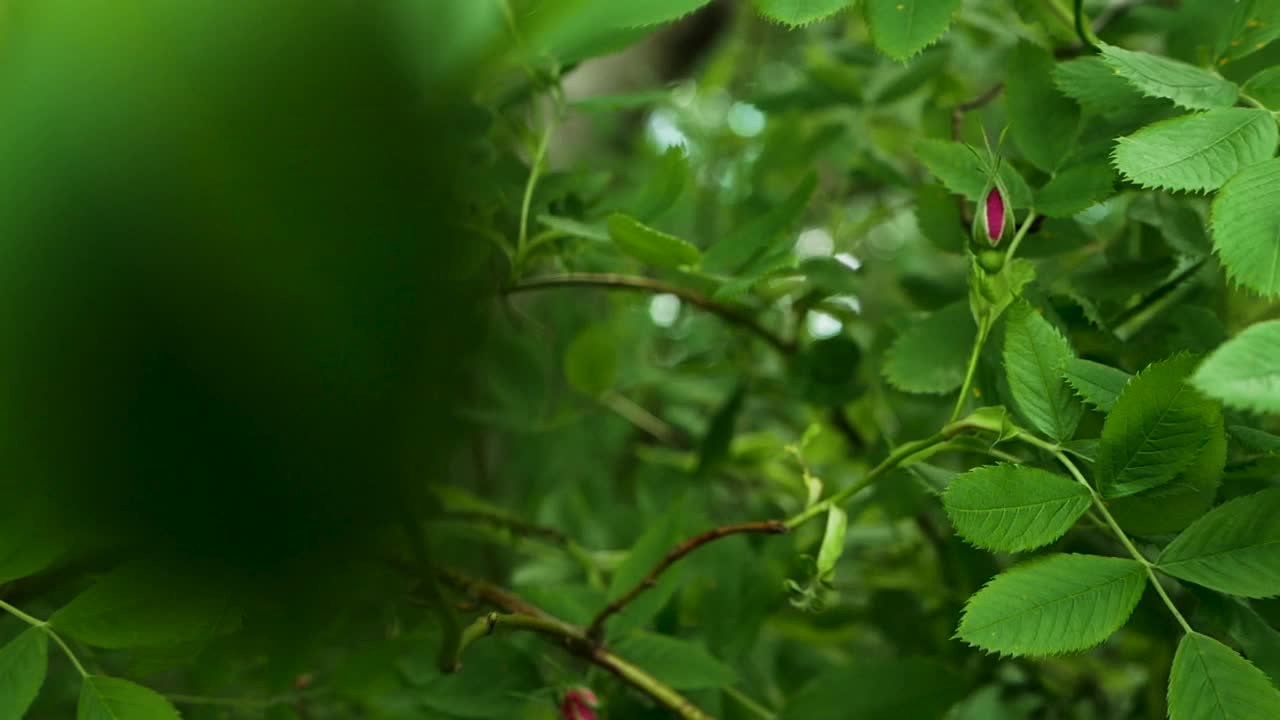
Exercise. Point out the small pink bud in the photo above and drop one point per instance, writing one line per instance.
(578, 704)
(993, 216)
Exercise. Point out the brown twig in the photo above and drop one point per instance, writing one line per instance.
(650, 285)
(596, 630)
(572, 638)
(958, 113)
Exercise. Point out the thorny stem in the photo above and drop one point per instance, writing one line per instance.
(1022, 233)
(652, 285)
(43, 625)
(747, 702)
(773, 527)
(535, 170)
(1083, 29)
(524, 616)
(957, 114)
(979, 340)
(1114, 526)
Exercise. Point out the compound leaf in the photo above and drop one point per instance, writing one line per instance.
(1053, 605)
(1210, 681)
(1012, 508)
(1034, 356)
(1234, 548)
(1156, 428)
(800, 12)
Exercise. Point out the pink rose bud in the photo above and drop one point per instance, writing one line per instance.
(578, 704)
(993, 213)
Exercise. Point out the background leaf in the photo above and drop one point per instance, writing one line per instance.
(591, 361)
(1157, 428)
(930, 355)
(1034, 356)
(650, 246)
(681, 664)
(1210, 681)
(878, 689)
(959, 168)
(1197, 152)
(1044, 122)
(1234, 549)
(1075, 189)
(1013, 508)
(1053, 605)
(1246, 228)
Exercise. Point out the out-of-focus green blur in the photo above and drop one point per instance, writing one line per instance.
(235, 316)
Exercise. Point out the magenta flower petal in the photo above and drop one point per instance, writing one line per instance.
(993, 213)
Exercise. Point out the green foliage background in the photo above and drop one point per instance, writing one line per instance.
(432, 360)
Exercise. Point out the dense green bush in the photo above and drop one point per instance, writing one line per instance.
(578, 359)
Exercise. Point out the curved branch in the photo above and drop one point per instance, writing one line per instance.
(650, 285)
(773, 527)
(524, 616)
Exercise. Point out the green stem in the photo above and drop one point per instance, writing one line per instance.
(978, 341)
(1017, 238)
(750, 705)
(895, 458)
(535, 170)
(1083, 29)
(43, 625)
(1111, 523)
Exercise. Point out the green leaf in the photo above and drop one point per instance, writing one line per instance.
(1100, 385)
(878, 689)
(591, 361)
(1044, 122)
(832, 546)
(756, 238)
(902, 28)
(1234, 548)
(1053, 605)
(23, 663)
(1186, 85)
(800, 12)
(1196, 153)
(662, 190)
(1245, 222)
(1256, 440)
(1077, 188)
(930, 355)
(1210, 681)
(1245, 371)
(1259, 641)
(679, 664)
(650, 12)
(1158, 427)
(1099, 90)
(1265, 88)
(146, 604)
(1034, 356)
(939, 219)
(650, 246)
(108, 698)
(1013, 508)
(961, 169)
(714, 449)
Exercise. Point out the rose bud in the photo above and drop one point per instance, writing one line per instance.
(992, 216)
(578, 705)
